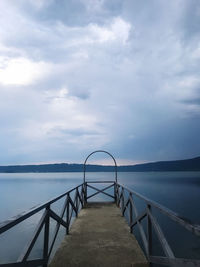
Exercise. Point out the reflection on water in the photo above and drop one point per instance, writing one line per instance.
(179, 191)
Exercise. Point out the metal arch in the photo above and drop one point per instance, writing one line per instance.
(103, 151)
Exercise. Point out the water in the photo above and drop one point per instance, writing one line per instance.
(179, 191)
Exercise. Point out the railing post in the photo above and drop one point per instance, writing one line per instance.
(85, 193)
(149, 232)
(118, 192)
(119, 195)
(122, 206)
(76, 202)
(115, 192)
(46, 237)
(67, 215)
(82, 195)
(131, 213)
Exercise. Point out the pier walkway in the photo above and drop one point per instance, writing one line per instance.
(98, 237)
(102, 232)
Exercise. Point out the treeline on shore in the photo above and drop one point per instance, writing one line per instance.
(177, 165)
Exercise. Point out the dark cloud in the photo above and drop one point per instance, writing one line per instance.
(69, 12)
(72, 13)
(190, 20)
(195, 101)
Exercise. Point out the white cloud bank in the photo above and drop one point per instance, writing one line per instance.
(21, 71)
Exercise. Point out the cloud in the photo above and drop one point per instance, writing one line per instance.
(117, 31)
(189, 21)
(77, 76)
(21, 71)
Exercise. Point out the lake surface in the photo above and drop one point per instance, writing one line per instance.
(179, 191)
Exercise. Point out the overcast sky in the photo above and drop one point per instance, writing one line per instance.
(82, 75)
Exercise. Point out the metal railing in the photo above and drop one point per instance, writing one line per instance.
(77, 198)
(124, 199)
(71, 205)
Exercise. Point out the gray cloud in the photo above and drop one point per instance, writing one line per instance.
(193, 101)
(190, 20)
(76, 76)
(73, 13)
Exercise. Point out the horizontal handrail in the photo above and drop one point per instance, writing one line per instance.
(100, 191)
(124, 199)
(6, 225)
(194, 228)
(69, 206)
(177, 262)
(30, 263)
(98, 182)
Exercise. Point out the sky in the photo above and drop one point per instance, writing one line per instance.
(83, 75)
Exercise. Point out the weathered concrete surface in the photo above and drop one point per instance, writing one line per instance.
(99, 237)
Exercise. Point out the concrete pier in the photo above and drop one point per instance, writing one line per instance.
(99, 237)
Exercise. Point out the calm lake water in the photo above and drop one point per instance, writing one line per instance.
(179, 191)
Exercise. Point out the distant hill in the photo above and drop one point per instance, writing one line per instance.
(177, 165)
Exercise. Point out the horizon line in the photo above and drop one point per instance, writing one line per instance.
(93, 163)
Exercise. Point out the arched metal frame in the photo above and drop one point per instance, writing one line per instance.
(101, 151)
